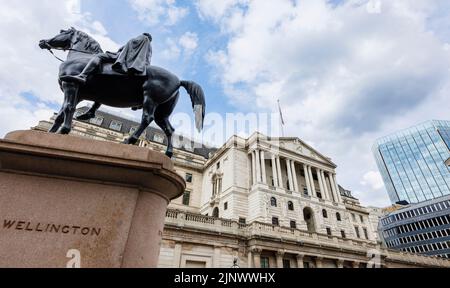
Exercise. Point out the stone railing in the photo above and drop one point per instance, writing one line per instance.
(197, 221)
(179, 219)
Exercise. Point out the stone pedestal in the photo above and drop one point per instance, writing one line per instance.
(69, 201)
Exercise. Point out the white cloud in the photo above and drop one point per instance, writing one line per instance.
(189, 41)
(154, 12)
(373, 180)
(24, 67)
(186, 45)
(346, 76)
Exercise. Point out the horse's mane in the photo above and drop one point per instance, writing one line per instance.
(90, 44)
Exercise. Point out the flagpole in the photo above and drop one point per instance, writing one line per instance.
(281, 119)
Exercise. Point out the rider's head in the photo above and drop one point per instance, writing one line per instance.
(149, 36)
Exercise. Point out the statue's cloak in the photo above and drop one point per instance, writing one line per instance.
(134, 57)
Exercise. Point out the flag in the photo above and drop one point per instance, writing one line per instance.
(281, 113)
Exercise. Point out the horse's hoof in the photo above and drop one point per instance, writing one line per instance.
(65, 130)
(169, 154)
(130, 141)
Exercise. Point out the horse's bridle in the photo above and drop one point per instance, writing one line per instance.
(50, 47)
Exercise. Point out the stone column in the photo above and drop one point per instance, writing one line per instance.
(280, 257)
(257, 258)
(319, 262)
(308, 185)
(311, 178)
(300, 262)
(263, 167)
(294, 175)
(280, 175)
(356, 264)
(289, 173)
(274, 171)
(254, 167)
(177, 255)
(327, 191)
(335, 184)
(258, 166)
(340, 263)
(322, 190)
(217, 256)
(249, 259)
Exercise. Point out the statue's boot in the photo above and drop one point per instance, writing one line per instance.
(80, 79)
(90, 68)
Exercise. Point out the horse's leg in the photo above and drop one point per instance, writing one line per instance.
(165, 125)
(71, 102)
(162, 115)
(90, 113)
(148, 116)
(58, 121)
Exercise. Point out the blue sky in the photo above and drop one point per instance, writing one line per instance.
(122, 22)
(346, 71)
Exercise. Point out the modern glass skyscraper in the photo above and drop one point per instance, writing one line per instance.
(412, 162)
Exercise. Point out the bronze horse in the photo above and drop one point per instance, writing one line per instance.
(157, 93)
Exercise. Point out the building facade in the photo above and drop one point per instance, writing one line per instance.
(259, 202)
(412, 162)
(421, 228)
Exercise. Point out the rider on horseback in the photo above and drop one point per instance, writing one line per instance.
(133, 58)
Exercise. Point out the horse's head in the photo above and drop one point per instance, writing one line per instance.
(61, 41)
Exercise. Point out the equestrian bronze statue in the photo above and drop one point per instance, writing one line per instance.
(124, 79)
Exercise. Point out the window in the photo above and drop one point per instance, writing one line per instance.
(133, 130)
(338, 217)
(361, 218)
(366, 233)
(273, 202)
(115, 125)
(354, 217)
(265, 263)
(96, 121)
(187, 198)
(357, 232)
(325, 213)
(218, 166)
(343, 234)
(290, 206)
(319, 195)
(305, 191)
(242, 221)
(275, 221)
(329, 233)
(225, 206)
(158, 138)
(286, 263)
(189, 177)
(293, 225)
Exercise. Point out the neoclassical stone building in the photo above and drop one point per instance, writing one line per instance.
(259, 202)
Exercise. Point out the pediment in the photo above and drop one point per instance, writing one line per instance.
(300, 147)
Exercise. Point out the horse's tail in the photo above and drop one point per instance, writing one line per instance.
(198, 102)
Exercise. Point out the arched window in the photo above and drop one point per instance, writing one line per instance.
(338, 217)
(273, 202)
(325, 213)
(290, 206)
(216, 212)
